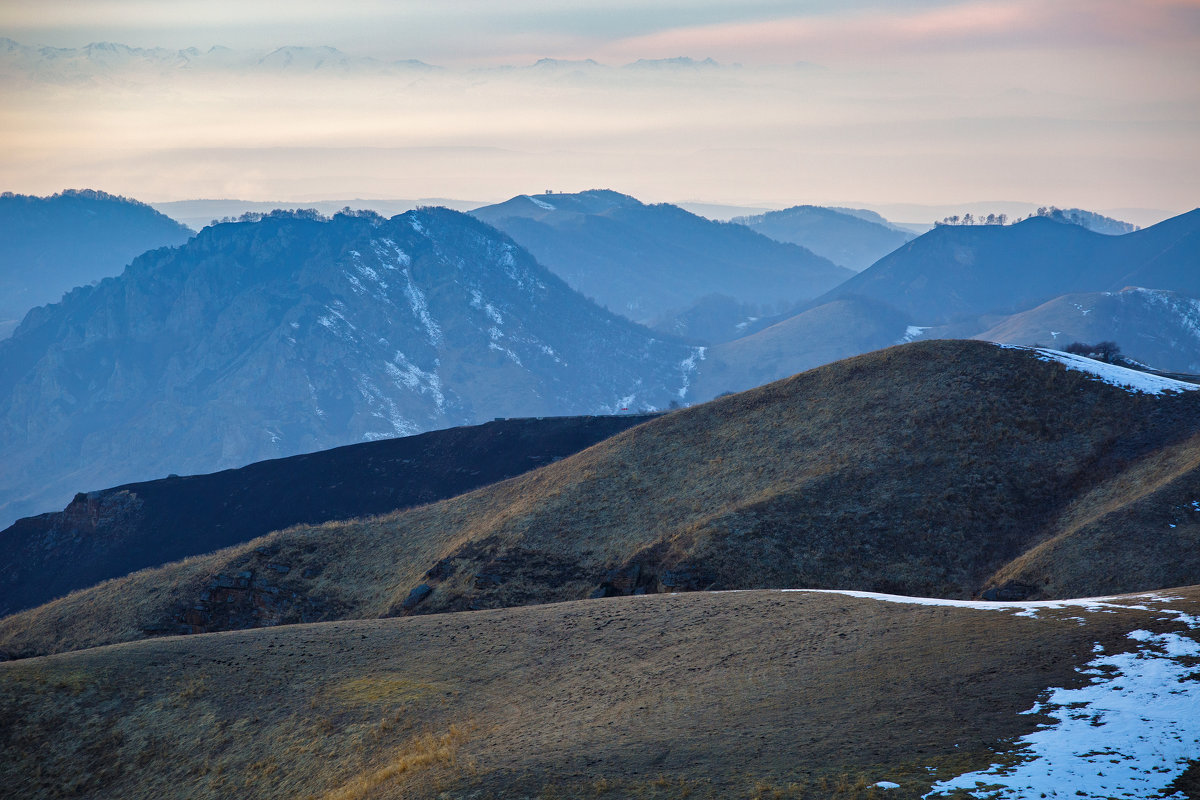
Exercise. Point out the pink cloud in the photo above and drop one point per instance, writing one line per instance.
(963, 26)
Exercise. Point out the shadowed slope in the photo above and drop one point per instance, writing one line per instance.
(113, 532)
(921, 469)
(749, 694)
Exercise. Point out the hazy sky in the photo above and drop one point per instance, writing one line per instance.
(1092, 103)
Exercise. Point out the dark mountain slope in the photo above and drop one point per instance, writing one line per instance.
(844, 239)
(960, 272)
(116, 531)
(296, 333)
(713, 695)
(644, 261)
(923, 469)
(1158, 328)
(49, 245)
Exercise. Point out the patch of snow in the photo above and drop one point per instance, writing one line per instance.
(416, 224)
(912, 332)
(885, 785)
(1025, 607)
(493, 346)
(1128, 734)
(687, 367)
(420, 309)
(295, 325)
(384, 408)
(405, 374)
(1130, 380)
(355, 283)
(540, 203)
(1055, 334)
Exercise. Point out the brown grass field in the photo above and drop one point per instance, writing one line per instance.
(759, 694)
(932, 469)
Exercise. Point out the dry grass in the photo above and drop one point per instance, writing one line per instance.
(703, 695)
(922, 469)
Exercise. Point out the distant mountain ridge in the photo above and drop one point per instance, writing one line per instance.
(646, 261)
(956, 272)
(851, 238)
(293, 333)
(53, 244)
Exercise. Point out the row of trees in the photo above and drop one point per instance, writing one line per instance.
(971, 219)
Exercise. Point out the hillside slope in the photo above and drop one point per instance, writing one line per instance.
(956, 272)
(794, 695)
(53, 244)
(109, 533)
(1158, 328)
(645, 261)
(925, 469)
(293, 333)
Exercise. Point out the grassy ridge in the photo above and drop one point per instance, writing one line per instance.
(752, 694)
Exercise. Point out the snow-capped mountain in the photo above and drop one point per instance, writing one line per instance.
(294, 332)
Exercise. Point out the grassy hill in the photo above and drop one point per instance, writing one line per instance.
(112, 532)
(707, 695)
(928, 469)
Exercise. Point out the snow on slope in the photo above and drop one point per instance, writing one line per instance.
(1130, 380)
(1128, 734)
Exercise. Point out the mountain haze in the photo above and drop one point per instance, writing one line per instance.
(53, 244)
(645, 261)
(959, 272)
(265, 338)
(846, 239)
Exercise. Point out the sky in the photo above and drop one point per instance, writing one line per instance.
(1076, 103)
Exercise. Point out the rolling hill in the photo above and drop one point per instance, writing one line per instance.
(845, 239)
(53, 244)
(110, 533)
(946, 468)
(788, 695)
(645, 261)
(291, 333)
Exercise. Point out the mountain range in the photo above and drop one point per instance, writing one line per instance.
(53, 244)
(850, 238)
(1038, 281)
(292, 332)
(651, 261)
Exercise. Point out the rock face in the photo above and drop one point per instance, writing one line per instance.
(293, 333)
(52, 244)
(109, 533)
